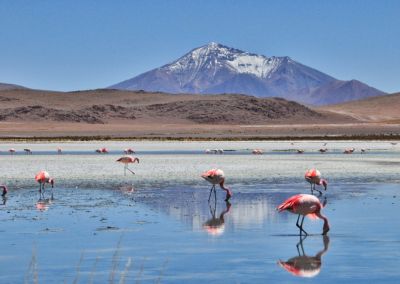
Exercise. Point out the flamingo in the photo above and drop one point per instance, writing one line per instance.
(349, 150)
(323, 150)
(363, 150)
(216, 176)
(304, 265)
(5, 190)
(12, 151)
(102, 151)
(300, 151)
(59, 150)
(42, 178)
(257, 152)
(313, 176)
(126, 160)
(305, 205)
(27, 151)
(129, 151)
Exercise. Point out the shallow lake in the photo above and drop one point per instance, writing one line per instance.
(157, 225)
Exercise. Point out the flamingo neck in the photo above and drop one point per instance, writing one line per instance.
(324, 183)
(326, 227)
(4, 191)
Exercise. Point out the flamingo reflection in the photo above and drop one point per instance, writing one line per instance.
(216, 226)
(304, 265)
(43, 204)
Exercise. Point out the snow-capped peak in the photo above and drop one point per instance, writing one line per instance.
(215, 55)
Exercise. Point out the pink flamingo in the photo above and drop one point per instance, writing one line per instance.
(59, 150)
(102, 151)
(129, 151)
(126, 160)
(216, 176)
(12, 151)
(5, 190)
(305, 205)
(42, 178)
(313, 176)
(323, 150)
(300, 151)
(257, 152)
(349, 150)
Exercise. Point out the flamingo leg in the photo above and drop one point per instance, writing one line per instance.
(301, 226)
(215, 194)
(130, 170)
(211, 190)
(52, 196)
(40, 191)
(297, 222)
(125, 166)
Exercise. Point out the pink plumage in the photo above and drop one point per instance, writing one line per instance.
(305, 205)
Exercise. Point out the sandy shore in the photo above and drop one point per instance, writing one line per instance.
(137, 130)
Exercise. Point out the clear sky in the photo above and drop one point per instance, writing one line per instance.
(70, 45)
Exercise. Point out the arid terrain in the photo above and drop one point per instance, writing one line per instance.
(28, 113)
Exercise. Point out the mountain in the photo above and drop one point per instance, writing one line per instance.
(375, 109)
(218, 69)
(4, 86)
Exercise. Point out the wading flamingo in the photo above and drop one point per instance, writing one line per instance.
(257, 152)
(304, 265)
(313, 176)
(59, 150)
(42, 178)
(5, 190)
(102, 151)
(12, 151)
(129, 151)
(27, 151)
(305, 205)
(216, 176)
(300, 151)
(323, 150)
(126, 160)
(349, 150)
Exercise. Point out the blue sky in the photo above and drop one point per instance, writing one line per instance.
(70, 45)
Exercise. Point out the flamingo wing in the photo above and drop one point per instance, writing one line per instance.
(290, 203)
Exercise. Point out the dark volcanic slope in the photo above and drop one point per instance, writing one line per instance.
(237, 109)
(105, 106)
(4, 86)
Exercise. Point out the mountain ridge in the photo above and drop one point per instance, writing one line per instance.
(215, 69)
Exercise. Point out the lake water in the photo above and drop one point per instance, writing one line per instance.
(157, 226)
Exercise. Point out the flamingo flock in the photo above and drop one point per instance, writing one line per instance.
(300, 204)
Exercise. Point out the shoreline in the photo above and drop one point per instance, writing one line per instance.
(372, 137)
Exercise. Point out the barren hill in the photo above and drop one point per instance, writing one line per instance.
(106, 106)
(115, 113)
(376, 109)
